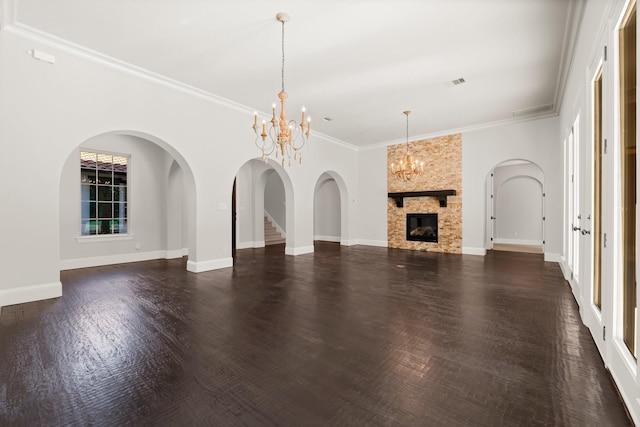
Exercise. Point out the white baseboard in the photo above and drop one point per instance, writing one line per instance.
(176, 253)
(32, 293)
(250, 244)
(213, 264)
(379, 243)
(468, 250)
(517, 242)
(70, 264)
(299, 250)
(345, 242)
(327, 238)
(566, 273)
(552, 257)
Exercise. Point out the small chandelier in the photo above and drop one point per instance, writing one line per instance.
(285, 138)
(409, 167)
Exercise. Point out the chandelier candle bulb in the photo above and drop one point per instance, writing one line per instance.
(264, 130)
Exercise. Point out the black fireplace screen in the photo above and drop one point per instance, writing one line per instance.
(422, 227)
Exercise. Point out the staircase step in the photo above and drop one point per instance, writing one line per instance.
(271, 234)
(274, 242)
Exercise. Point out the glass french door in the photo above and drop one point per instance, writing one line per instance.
(596, 219)
(628, 174)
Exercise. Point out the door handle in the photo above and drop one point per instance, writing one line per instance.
(576, 228)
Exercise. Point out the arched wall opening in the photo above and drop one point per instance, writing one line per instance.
(326, 211)
(261, 186)
(160, 204)
(331, 209)
(515, 207)
(275, 209)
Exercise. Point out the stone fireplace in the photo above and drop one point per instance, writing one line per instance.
(436, 194)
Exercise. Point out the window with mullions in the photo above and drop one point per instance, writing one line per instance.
(103, 190)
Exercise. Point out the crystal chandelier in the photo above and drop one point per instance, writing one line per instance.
(285, 138)
(409, 167)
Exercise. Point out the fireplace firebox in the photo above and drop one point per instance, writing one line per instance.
(422, 227)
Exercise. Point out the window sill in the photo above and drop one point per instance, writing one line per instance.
(103, 238)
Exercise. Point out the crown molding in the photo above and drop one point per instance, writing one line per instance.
(569, 44)
(74, 49)
(80, 51)
(7, 13)
(464, 129)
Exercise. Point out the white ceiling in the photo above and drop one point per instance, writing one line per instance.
(361, 62)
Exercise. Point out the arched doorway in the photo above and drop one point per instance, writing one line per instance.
(144, 209)
(275, 212)
(515, 207)
(264, 198)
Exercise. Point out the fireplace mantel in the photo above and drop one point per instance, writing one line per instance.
(441, 195)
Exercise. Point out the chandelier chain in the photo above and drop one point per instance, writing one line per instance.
(283, 56)
(407, 133)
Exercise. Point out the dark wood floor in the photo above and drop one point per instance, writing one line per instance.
(345, 336)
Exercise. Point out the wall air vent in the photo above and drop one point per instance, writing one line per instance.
(455, 82)
(533, 110)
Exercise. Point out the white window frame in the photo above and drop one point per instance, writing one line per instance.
(124, 211)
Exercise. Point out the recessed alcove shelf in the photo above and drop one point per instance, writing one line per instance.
(441, 195)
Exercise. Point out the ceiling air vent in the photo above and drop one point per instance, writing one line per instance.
(533, 110)
(328, 119)
(455, 82)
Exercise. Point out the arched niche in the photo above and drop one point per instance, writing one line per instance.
(161, 204)
(331, 208)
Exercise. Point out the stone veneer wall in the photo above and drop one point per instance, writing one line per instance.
(442, 171)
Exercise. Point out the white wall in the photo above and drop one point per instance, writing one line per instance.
(482, 150)
(372, 197)
(327, 213)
